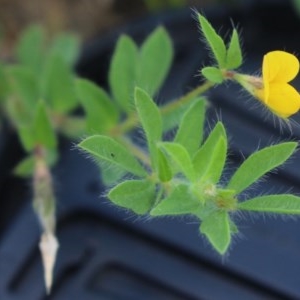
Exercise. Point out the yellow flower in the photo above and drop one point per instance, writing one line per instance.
(279, 68)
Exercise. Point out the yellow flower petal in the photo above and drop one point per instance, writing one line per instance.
(283, 99)
(280, 66)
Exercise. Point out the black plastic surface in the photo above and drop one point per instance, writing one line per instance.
(108, 253)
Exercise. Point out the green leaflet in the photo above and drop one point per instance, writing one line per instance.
(101, 113)
(259, 163)
(151, 121)
(234, 57)
(216, 227)
(209, 160)
(137, 195)
(66, 46)
(156, 55)
(280, 204)
(164, 170)
(181, 158)
(190, 131)
(212, 74)
(180, 201)
(25, 167)
(214, 41)
(30, 48)
(122, 72)
(39, 132)
(105, 149)
(23, 85)
(57, 84)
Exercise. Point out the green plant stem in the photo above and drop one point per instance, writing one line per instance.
(132, 120)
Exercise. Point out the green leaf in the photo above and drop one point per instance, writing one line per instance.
(122, 72)
(30, 48)
(280, 204)
(43, 130)
(164, 169)
(66, 46)
(57, 84)
(110, 176)
(24, 86)
(73, 127)
(101, 113)
(105, 149)
(214, 41)
(27, 137)
(212, 74)
(171, 117)
(216, 227)
(181, 158)
(179, 202)
(234, 57)
(209, 160)
(25, 167)
(259, 163)
(156, 56)
(137, 195)
(209, 165)
(151, 121)
(190, 131)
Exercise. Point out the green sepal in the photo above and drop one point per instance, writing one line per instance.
(151, 121)
(234, 57)
(190, 130)
(106, 149)
(122, 72)
(213, 74)
(179, 202)
(156, 55)
(259, 163)
(216, 227)
(279, 204)
(214, 41)
(101, 114)
(137, 195)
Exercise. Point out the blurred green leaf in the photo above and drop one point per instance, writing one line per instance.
(190, 131)
(259, 163)
(137, 195)
(156, 57)
(73, 127)
(151, 121)
(214, 41)
(31, 47)
(101, 113)
(105, 149)
(179, 202)
(43, 130)
(57, 85)
(212, 74)
(216, 227)
(280, 204)
(111, 175)
(122, 72)
(66, 46)
(234, 57)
